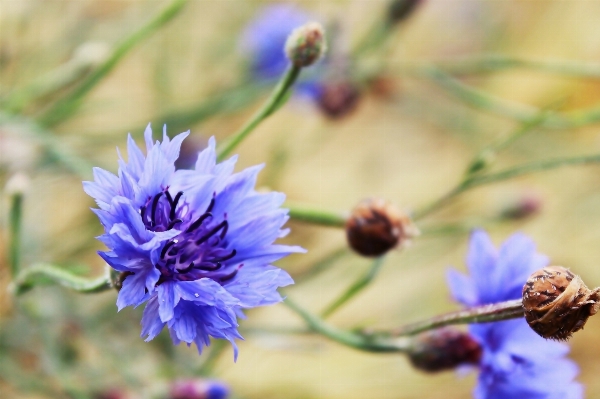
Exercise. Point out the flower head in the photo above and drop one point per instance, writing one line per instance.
(516, 362)
(264, 40)
(196, 245)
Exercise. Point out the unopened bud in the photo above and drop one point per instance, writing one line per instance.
(376, 226)
(444, 349)
(557, 303)
(338, 99)
(306, 44)
(400, 10)
(198, 389)
(525, 206)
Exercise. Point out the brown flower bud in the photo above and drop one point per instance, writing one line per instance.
(557, 303)
(376, 226)
(400, 10)
(338, 99)
(443, 349)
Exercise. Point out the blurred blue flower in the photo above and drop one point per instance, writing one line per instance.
(264, 41)
(196, 245)
(516, 362)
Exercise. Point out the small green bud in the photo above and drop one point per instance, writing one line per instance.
(306, 44)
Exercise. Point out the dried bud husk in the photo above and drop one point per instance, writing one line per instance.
(338, 99)
(444, 349)
(557, 303)
(400, 10)
(306, 44)
(376, 226)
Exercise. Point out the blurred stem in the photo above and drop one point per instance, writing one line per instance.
(355, 288)
(307, 214)
(53, 145)
(15, 222)
(349, 338)
(481, 314)
(65, 107)
(322, 264)
(484, 101)
(218, 346)
(27, 278)
(277, 98)
(471, 181)
(497, 62)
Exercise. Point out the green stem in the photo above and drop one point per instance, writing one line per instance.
(496, 62)
(26, 279)
(520, 112)
(275, 100)
(348, 338)
(68, 105)
(15, 221)
(354, 289)
(306, 214)
(61, 152)
(470, 182)
(481, 314)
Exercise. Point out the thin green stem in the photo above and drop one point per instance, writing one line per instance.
(15, 221)
(470, 182)
(58, 150)
(27, 279)
(481, 314)
(65, 107)
(322, 264)
(303, 213)
(520, 112)
(355, 288)
(497, 62)
(275, 100)
(348, 338)
(218, 346)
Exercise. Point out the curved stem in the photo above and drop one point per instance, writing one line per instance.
(303, 213)
(355, 288)
(480, 314)
(26, 279)
(14, 230)
(275, 100)
(348, 338)
(65, 107)
(470, 182)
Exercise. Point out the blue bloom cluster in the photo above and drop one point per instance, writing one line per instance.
(264, 41)
(196, 245)
(516, 362)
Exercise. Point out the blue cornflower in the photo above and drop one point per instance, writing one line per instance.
(516, 362)
(196, 245)
(264, 41)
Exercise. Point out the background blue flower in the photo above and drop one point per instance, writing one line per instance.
(197, 245)
(516, 362)
(264, 41)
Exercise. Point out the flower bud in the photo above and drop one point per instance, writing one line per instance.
(338, 99)
(376, 226)
(198, 389)
(400, 10)
(443, 349)
(526, 206)
(557, 303)
(306, 44)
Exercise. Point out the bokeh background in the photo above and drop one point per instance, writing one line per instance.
(408, 140)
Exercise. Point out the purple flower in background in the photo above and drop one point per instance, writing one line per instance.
(196, 245)
(264, 41)
(516, 362)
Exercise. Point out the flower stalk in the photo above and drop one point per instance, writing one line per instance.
(30, 277)
(307, 214)
(480, 314)
(277, 98)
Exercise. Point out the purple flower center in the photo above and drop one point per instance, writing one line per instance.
(199, 251)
